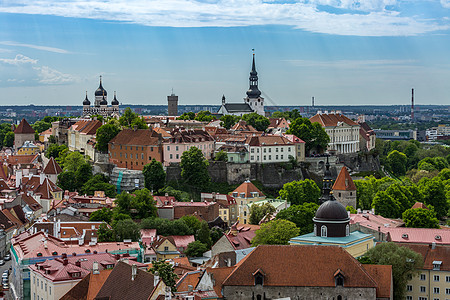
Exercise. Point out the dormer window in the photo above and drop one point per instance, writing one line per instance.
(259, 277)
(76, 274)
(339, 278)
(437, 265)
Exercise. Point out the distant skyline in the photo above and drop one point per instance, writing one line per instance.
(342, 52)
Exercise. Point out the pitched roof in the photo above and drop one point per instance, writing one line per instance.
(382, 274)
(5, 222)
(294, 139)
(88, 127)
(242, 126)
(439, 253)
(373, 221)
(24, 128)
(136, 137)
(247, 188)
(332, 119)
(240, 236)
(119, 284)
(268, 140)
(87, 288)
(29, 200)
(3, 184)
(419, 235)
(188, 279)
(238, 107)
(181, 241)
(419, 205)
(56, 270)
(52, 167)
(315, 270)
(219, 275)
(344, 181)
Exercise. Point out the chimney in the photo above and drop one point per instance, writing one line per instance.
(95, 269)
(78, 263)
(64, 255)
(65, 261)
(41, 178)
(133, 272)
(155, 278)
(190, 288)
(433, 245)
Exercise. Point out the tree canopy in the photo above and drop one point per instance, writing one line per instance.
(259, 122)
(130, 119)
(313, 134)
(194, 168)
(396, 162)
(276, 232)
(257, 212)
(228, 121)
(420, 218)
(301, 215)
(138, 205)
(166, 272)
(196, 249)
(154, 175)
(105, 134)
(301, 191)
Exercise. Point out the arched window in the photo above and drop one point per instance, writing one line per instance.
(347, 230)
(323, 231)
(315, 229)
(339, 297)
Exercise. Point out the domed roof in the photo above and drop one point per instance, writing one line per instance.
(253, 92)
(331, 210)
(103, 102)
(86, 100)
(115, 101)
(101, 91)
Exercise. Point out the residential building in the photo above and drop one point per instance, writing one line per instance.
(181, 241)
(101, 106)
(165, 249)
(22, 133)
(80, 133)
(344, 189)
(299, 146)
(367, 137)
(28, 148)
(212, 280)
(314, 272)
(238, 237)
(45, 135)
(270, 149)
(51, 279)
(52, 170)
(278, 125)
(182, 140)
(245, 195)
(376, 225)
(433, 280)
(228, 208)
(42, 189)
(420, 236)
(242, 127)
(343, 132)
(171, 210)
(134, 148)
(235, 154)
(252, 103)
(60, 130)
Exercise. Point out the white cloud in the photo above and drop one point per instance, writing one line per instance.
(43, 48)
(445, 3)
(366, 17)
(25, 71)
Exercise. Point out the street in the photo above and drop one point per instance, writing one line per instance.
(3, 268)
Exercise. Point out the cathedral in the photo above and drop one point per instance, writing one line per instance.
(101, 106)
(252, 103)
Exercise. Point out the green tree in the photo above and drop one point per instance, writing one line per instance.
(166, 273)
(128, 117)
(257, 212)
(105, 214)
(167, 227)
(256, 120)
(54, 150)
(179, 195)
(301, 215)
(301, 191)
(187, 116)
(420, 218)
(433, 191)
(73, 160)
(104, 135)
(41, 126)
(386, 206)
(204, 235)
(52, 139)
(83, 174)
(401, 195)
(8, 141)
(194, 168)
(105, 234)
(142, 201)
(221, 156)
(351, 209)
(313, 134)
(192, 222)
(66, 181)
(228, 121)
(216, 234)
(126, 229)
(397, 162)
(276, 232)
(196, 249)
(405, 264)
(204, 116)
(154, 175)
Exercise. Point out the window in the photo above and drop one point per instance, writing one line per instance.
(37, 280)
(151, 149)
(264, 157)
(447, 278)
(347, 230)
(281, 149)
(276, 156)
(120, 154)
(176, 148)
(245, 213)
(168, 148)
(409, 298)
(435, 290)
(276, 149)
(171, 156)
(131, 147)
(423, 289)
(422, 298)
(436, 278)
(270, 157)
(252, 150)
(323, 231)
(281, 156)
(270, 150)
(125, 155)
(447, 291)
(46, 286)
(264, 150)
(423, 277)
(166, 248)
(289, 149)
(177, 156)
(142, 155)
(142, 148)
(252, 157)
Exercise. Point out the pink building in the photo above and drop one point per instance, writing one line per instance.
(182, 140)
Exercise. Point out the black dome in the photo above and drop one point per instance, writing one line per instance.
(253, 92)
(103, 102)
(115, 101)
(86, 101)
(101, 91)
(331, 210)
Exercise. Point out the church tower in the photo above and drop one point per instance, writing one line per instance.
(254, 98)
(86, 106)
(100, 93)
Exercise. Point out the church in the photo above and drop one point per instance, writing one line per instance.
(101, 106)
(252, 103)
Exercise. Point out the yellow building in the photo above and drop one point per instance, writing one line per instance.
(165, 249)
(245, 195)
(433, 280)
(28, 148)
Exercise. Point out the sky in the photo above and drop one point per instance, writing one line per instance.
(342, 52)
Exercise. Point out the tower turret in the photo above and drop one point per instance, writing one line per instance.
(254, 98)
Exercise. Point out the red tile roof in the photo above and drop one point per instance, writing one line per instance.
(318, 265)
(88, 127)
(333, 119)
(219, 275)
(188, 279)
(294, 139)
(419, 235)
(372, 221)
(181, 241)
(24, 128)
(382, 274)
(439, 253)
(52, 167)
(56, 270)
(344, 181)
(268, 140)
(247, 188)
(243, 126)
(144, 137)
(419, 205)
(240, 236)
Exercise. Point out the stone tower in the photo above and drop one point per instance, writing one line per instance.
(172, 105)
(344, 189)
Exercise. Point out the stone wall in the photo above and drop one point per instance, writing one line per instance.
(131, 179)
(360, 162)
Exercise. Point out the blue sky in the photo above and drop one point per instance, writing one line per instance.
(343, 52)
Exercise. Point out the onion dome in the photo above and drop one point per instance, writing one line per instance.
(101, 91)
(86, 100)
(115, 101)
(103, 102)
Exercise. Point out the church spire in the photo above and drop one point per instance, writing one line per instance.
(327, 184)
(253, 91)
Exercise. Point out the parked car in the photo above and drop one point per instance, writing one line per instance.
(5, 286)
(2, 262)
(7, 257)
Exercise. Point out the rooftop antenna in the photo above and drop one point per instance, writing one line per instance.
(172, 93)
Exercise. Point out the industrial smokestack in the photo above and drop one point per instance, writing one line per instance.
(312, 102)
(412, 105)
